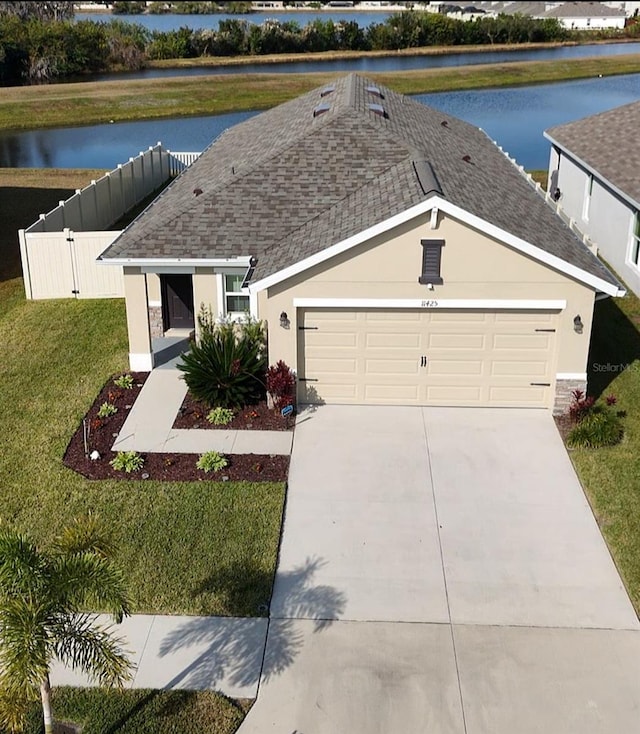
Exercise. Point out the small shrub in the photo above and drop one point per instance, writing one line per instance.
(211, 461)
(227, 367)
(106, 410)
(220, 416)
(124, 381)
(281, 384)
(127, 461)
(600, 427)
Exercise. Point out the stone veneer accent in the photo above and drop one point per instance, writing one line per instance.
(564, 390)
(155, 321)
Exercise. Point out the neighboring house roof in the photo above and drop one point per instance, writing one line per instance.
(606, 143)
(286, 185)
(584, 10)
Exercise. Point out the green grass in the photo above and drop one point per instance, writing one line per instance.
(191, 548)
(143, 712)
(611, 476)
(99, 102)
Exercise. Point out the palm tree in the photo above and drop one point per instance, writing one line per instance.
(43, 595)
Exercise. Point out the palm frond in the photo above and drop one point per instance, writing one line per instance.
(87, 580)
(14, 707)
(25, 642)
(22, 567)
(83, 644)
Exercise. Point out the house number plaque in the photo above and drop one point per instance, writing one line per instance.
(429, 304)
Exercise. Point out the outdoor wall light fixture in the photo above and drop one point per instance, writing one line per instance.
(578, 326)
(284, 320)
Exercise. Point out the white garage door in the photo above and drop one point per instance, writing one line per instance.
(418, 357)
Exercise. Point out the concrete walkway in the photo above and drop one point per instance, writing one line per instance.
(195, 653)
(148, 425)
(441, 570)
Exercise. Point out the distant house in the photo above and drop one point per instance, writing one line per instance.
(586, 16)
(594, 170)
(396, 254)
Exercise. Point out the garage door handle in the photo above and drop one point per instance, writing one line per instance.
(541, 384)
(307, 328)
(307, 379)
(549, 330)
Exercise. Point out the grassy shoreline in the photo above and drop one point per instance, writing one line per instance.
(87, 103)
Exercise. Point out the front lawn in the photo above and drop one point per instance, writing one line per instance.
(187, 548)
(611, 476)
(143, 712)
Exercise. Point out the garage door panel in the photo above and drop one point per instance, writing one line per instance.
(527, 368)
(377, 340)
(391, 367)
(456, 341)
(536, 342)
(427, 357)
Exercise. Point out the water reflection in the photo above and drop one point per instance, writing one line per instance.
(514, 117)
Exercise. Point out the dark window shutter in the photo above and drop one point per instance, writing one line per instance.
(431, 260)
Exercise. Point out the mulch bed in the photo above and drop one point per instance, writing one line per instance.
(259, 417)
(167, 467)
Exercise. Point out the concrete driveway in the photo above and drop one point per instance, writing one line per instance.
(441, 570)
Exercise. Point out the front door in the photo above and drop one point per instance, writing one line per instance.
(177, 302)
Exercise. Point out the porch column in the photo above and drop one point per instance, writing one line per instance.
(135, 293)
(204, 293)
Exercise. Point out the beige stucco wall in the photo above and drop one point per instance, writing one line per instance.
(135, 291)
(473, 266)
(204, 292)
(153, 288)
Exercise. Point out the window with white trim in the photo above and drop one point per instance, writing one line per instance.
(588, 190)
(236, 298)
(635, 241)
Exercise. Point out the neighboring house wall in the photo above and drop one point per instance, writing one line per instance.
(592, 23)
(473, 267)
(606, 219)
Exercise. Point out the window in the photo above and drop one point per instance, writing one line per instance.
(236, 298)
(431, 259)
(588, 190)
(635, 241)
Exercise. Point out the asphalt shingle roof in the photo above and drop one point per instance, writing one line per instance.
(607, 143)
(285, 185)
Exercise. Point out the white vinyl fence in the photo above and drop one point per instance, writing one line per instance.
(60, 249)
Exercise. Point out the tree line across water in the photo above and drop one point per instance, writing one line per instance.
(37, 49)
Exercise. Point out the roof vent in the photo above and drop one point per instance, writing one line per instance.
(445, 123)
(328, 90)
(467, 159)
(321, 109)
(378, 109)
(375, 91)
(197, 192)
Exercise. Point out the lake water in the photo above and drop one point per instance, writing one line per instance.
(389, 63)
(514, 117)
(173, 21)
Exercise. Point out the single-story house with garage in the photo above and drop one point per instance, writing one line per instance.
(594, 176)
(396, 255)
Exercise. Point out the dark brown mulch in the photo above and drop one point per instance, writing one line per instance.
(564, 424)
(160, 467)
(259, 417)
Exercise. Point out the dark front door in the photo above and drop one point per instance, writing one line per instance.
(177, 302)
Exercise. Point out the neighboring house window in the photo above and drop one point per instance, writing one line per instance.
(431, 261)
(236, 298)
(588, 190)
(635, 241)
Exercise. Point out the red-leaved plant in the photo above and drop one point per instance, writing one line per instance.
(581, 406)
(281, 384)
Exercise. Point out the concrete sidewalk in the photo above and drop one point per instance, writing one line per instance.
(148, 425)
(195, 653)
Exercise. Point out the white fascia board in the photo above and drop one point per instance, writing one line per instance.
(571, 376)
(342, 246)
(596, 174)
(557, 263)
(149, 263)
(446, 206)
(481, 304)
